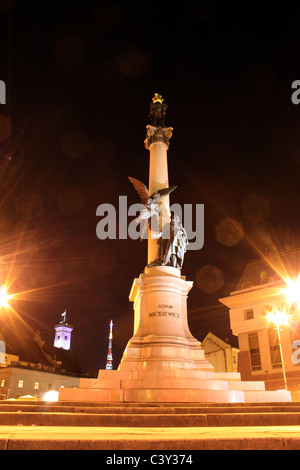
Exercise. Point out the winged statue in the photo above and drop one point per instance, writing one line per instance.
(150, 202)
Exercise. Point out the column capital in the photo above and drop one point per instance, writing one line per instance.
(157, 134)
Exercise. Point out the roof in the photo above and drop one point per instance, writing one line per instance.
(270, 269)
(221, 343)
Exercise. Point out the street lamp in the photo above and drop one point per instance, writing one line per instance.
(4, 297)
(292, 291)
(279, 318)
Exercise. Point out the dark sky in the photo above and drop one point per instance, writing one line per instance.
(80, 77)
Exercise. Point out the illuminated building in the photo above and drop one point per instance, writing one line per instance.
(31, 366)
(221, 354)
(263, 289)
(63, 333)
(17, 381)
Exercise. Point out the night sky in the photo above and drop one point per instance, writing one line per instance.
(80, 77)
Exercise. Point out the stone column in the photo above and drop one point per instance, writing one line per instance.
(157, 142)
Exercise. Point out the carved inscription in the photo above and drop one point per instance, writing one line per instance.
(164, 313)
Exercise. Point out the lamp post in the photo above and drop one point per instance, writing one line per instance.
(279, 318)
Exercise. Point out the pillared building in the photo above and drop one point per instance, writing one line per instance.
(260, 290)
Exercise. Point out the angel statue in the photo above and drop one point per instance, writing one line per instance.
(150, 203)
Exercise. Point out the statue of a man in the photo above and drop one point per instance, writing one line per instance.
(157, 113)
(173, 243)
(64, 315)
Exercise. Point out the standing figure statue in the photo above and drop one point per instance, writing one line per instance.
(173, 243)
(64, 315)
(157, 113)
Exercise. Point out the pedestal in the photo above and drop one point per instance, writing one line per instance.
(163, 362)
(162, 339)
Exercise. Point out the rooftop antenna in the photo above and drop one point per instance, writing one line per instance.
(109, 361)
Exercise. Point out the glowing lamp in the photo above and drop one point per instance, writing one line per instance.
(292, 291)
(51, 395)
(4, 297)
(277, 317)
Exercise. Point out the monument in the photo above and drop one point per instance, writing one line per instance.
(163, 362)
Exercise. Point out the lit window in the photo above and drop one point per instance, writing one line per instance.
(20, 383)
(36, 385)
(2, 382)
(274, 348)
(254, 351)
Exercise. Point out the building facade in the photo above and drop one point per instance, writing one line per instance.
(17, 381)
(220, 354)
(30, 366)
(262, 289)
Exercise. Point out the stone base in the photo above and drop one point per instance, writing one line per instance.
(163, 362)
(179, 386)
(162, 340)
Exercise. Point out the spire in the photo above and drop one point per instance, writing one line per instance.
(109, 362)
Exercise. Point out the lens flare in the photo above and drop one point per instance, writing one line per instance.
(4, 297)
(278, 317)
(292, 291)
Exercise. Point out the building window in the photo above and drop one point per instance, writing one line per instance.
(254, 351)
(36, 385)
(2, 382)
(248, 314)
(274, 348)
(20, 383)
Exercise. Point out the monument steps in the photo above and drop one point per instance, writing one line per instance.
(148, 415)
(174, 383)
(170, 385)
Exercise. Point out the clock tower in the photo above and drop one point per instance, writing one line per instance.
(63, 332)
